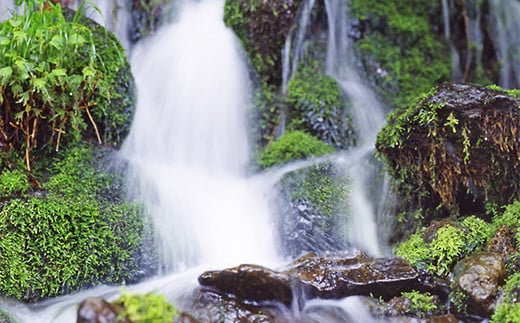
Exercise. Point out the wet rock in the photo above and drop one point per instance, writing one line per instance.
(333, 276)
(479, 277)
(250, 282)
(97, 310)
(445, 150)
(207, 306)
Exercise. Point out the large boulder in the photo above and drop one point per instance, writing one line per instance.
(333, 276)
(479, 277)
(455, 148)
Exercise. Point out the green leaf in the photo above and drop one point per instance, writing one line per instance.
(5, 73)
(57, 41)
(59, 72)
(89, 71)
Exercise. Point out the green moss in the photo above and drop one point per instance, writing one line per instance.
(76, 233)
(508, 309)
(511, 219)
(399, 37)
(449, 244)
(147, 308)
(13, 182)
(316, 105)
(293, 145)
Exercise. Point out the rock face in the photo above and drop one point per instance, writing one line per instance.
(327, 277)
(447, 149)
(479, 276)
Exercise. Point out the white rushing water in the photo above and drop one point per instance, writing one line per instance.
(189, 148)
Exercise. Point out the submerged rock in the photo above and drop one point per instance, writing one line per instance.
(98, 310)
(479, 277)
(332, 276)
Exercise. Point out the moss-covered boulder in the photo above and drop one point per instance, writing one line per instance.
(316, 105)
(70, 229)
(454, 149)
(400, 46)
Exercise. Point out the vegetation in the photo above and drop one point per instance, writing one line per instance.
(449, 244)
(316, 105)
(508, 309)
(75, 231)
(148, 308)
(399, 37)
(421, 304)
(293, 145)
(58, 80)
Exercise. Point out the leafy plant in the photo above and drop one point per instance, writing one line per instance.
(147, 308)
(53, 80)
(508, 309)
(422, 304)
(293, 145)
(449, 244)
(511, 219)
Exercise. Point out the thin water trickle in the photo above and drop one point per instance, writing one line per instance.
(368, 116)
(505, 14)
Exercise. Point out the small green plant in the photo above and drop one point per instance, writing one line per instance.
(508, 309)
(459, 301)
(147, 308)
(511, 219)
(422, 304)
(293, 145)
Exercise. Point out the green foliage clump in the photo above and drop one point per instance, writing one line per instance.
(421, 304)
(399, 37)
(13, 182)
(316, 105)
(508, 309)
(76, 232)
(147, 308)
(291, 146)
(449, 245)
(511, 219)
(57, 81)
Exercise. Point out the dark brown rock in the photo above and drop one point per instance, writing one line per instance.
(479, 276)
(97, 310)
(250, 282)
(328, 277)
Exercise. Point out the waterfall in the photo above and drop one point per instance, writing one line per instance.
(505, 15)
(368, 116)
(188, 146)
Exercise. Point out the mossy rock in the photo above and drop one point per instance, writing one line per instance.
(316, 105)
(399, 46)
(70, 229)
(453, 150)
(314, 206)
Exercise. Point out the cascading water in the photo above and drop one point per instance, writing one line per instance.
(505, 14)
(188, 146)
(368, 116)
